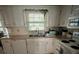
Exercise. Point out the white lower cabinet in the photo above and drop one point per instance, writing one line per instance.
(15, 46)
(7, 46)
(56, 46)
(50, 45)
(19, 46)
(31, 46)
(40, 45)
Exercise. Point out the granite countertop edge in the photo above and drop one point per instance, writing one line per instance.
(23, 36)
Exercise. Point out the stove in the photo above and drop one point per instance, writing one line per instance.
(68, 41)
(75, 47)
(72, 40)
(72, 44)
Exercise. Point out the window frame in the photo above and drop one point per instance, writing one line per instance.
(35, 22)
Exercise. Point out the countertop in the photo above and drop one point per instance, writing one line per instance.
(23, 37)
(59, 38)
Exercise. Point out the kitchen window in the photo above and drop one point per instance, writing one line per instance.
(36, 19)
(3, 29)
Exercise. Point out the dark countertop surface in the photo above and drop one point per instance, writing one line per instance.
(27, 37)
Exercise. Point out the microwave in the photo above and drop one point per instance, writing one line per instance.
(73, 22)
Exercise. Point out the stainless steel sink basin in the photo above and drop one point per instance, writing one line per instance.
(36, 36)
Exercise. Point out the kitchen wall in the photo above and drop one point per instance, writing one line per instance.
(14, 17)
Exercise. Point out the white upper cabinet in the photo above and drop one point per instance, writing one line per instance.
(64, 15)
(75, 7)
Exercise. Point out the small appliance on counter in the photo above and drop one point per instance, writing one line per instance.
(56, 31)
(50, 33)
(1, 34)
(76, 35)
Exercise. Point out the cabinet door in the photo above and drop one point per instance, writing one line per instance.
(50, 46)
(56, 46)
(42, 45)
(7, 47)
(39, 45)
(19, 46)
(32, 45)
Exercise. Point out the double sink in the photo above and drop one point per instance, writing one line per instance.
(36, 35)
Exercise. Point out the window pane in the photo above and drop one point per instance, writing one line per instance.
(36, 26)
(31, 15)
(41, 18)
(42, 15)
(31, 19)
(36, 17)
(36, 21)
(1, 29)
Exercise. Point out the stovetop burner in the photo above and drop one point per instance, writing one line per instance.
(72, 40)
(65, 41)
(75, 47)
